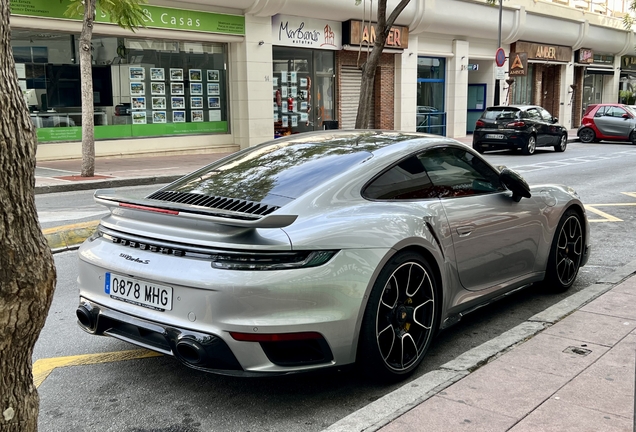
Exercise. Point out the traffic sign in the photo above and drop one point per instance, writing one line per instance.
(500, 57)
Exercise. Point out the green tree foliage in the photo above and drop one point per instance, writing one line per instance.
(628, 18)
(128, 14)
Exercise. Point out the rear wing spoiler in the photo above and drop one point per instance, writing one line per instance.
(110, 199)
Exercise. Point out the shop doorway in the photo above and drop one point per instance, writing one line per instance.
(550, 88)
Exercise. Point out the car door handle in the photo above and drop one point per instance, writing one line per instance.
(465, 231)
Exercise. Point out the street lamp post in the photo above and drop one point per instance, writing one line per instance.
(497, 86)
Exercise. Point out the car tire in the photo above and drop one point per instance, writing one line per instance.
(632, 137)
(562, 145)
(587, 135)
(400, 319)
(566, 253)
(531, 145)
(478, 148)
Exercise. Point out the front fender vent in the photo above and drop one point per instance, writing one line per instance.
(215, 202)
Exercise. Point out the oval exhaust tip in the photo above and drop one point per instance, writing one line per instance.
(190, 351)
(85, 317)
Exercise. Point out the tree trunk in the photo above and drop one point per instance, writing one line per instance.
(86, 73)
(382, 29)
(27, 271)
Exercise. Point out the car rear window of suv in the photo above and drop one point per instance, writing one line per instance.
(497, 113)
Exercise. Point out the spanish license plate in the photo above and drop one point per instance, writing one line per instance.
(138, 292)
(494, 136)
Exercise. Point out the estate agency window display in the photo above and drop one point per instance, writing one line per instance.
(303, 83)
(142, 88)
(175, 96)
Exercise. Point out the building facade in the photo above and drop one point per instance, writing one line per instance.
(205, 77)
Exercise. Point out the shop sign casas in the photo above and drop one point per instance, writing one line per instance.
(156, 17)
(306, 32)
(355, 33)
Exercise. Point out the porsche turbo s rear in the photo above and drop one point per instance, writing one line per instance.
(216, 281)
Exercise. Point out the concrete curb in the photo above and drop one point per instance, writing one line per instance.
(106, 184)
(71, 237)
(391, 406)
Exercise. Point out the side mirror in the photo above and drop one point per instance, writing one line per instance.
(515, 183)
(555, 119)
(626, 116)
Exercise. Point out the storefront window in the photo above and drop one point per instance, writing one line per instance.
(431, 115)
(522, 88)
(141, 88)
(303, 89)
(592, 90)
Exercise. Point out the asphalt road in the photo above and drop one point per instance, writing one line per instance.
(158, 394)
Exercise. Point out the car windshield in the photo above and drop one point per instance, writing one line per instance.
(500, 113)
(279, 171)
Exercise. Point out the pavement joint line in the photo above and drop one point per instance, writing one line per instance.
(42, 368)
(379, 413)
(383, 410)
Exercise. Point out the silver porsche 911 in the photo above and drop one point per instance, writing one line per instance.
(323, 249)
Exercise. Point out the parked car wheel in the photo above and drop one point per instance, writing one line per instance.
(632, 137)
(587, 135)
(562, 145)
(400, 319)
(566, 253)
(530, 146)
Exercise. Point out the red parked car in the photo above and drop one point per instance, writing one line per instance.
(611, 122)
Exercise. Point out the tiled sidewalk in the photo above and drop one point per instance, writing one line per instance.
(577, 375)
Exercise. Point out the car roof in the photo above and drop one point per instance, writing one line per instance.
(283, 169)
(518, 106)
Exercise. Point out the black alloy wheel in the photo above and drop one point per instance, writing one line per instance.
(566, 253)
(562, 145)
(400, 319)
(587, 135)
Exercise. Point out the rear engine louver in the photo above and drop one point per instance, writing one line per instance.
(215, 202)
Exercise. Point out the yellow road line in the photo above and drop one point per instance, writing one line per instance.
(42, 368)
(607, 217)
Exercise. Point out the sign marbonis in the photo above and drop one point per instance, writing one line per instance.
(156, 16)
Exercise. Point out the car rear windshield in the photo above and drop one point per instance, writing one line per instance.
(500, 113)
(279, 171)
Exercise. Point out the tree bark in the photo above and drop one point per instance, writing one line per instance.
(382, 29)
(86, 73)
(27, 271)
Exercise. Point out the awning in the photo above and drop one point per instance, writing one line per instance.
(599, 71)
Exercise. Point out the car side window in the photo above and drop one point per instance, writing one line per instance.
(533, 114)
(545, 115)
(600, 112)
(405, 181)
(615, 112)
(456, 172)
